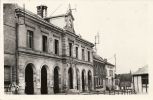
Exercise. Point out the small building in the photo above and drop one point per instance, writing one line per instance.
(141, 80)
(99, 72)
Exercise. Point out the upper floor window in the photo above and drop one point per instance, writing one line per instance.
(144, 79)
(83, 56)
(110, 73)
(88, 55)
(44, 43)
(76, 50)
(30, 39)
(70, 49)
(56, 46)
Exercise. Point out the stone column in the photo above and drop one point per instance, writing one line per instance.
(36, 82)
(21, 78)
(74, 78)
(51, 83)
(21, 82)
(65, 79)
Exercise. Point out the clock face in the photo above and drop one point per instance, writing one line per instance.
(69, 22)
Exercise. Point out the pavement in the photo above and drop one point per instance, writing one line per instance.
(119, 92)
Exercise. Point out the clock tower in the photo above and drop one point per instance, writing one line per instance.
(69, 20)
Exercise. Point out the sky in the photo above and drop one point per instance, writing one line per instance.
(122, 26)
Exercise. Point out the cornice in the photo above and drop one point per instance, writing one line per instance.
(21, 13)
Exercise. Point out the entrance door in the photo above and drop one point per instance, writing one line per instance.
(44, 88)
(56, 80)
(83, 80)
(29, 86)
(89, 80)
(70, 72)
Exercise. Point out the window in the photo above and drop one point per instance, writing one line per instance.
(30, 39)
(7, 76)
(76, 50)
(56, 46)
(110, 73)
(70, 49)
(88, 55)
(144, 79)
(144, 82)
(83, 56)
(44, 43)
(99, 81)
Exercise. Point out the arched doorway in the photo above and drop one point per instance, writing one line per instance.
(70, 73)
(29, 85)
(56, 80)
(44, 87)
(89, 80)
(83, 80)
(78, 79)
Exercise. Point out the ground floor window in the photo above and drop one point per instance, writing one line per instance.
(70, 73)
(7, 75)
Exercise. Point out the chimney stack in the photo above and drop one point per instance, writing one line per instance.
(42, 11)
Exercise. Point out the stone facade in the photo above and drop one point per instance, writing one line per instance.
(63, 72)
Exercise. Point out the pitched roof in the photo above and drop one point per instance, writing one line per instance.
(143, 70)
(97, 57)
(107, 63)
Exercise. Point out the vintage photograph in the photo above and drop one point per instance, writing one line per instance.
(74, 47)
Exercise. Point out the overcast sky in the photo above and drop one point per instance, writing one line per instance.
(122, 25)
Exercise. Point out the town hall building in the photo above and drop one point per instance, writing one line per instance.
(42, 56)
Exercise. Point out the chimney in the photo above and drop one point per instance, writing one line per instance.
(42, 11)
